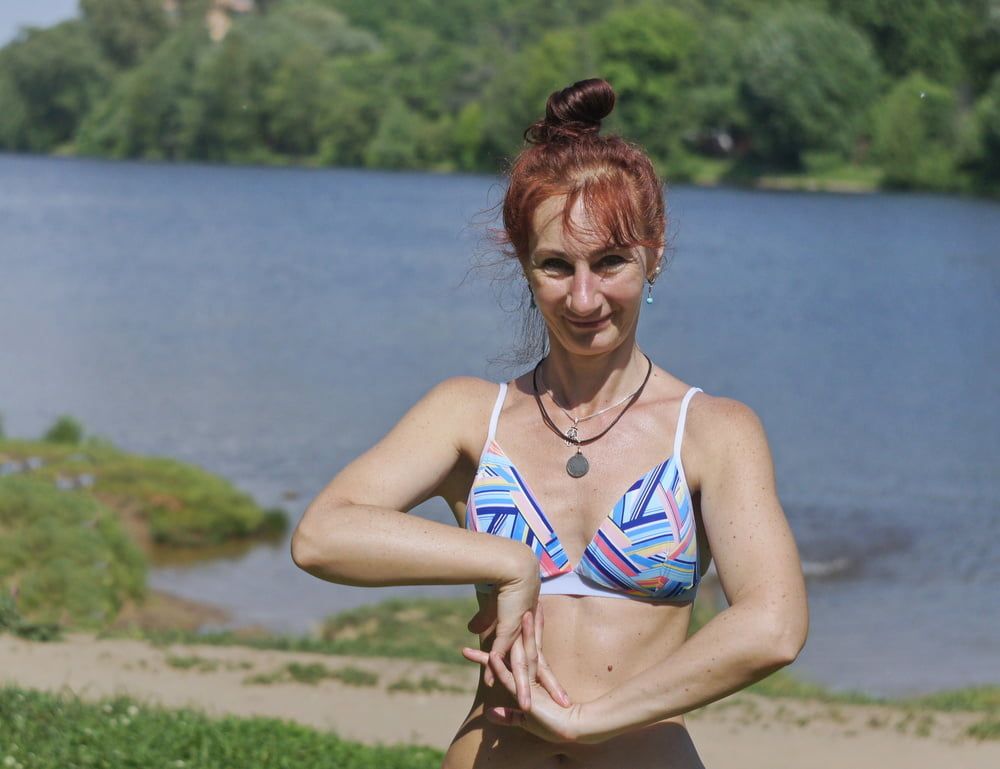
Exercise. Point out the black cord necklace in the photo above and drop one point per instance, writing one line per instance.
(577, 465)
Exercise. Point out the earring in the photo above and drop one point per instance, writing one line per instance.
(650, 281)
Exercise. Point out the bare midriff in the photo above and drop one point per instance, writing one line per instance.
(592, 645)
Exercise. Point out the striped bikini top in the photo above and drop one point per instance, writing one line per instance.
(646, 548)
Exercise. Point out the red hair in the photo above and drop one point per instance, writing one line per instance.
(622, 195)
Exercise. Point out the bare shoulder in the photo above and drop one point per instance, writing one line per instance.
(463, 403)
(721, 430)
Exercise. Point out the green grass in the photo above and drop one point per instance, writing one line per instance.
(423, 628)
(426, 685)
(987, 729)
(204, 665)
(66, 555)
(181, 504)
(314, 672)
(353, 676)
(193, 663)
(46, 731)
(977, 698)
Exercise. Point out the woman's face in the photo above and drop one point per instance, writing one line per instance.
(588, 293)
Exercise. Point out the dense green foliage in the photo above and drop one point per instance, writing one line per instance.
(48, 731)
(65, 554)
(714, 89)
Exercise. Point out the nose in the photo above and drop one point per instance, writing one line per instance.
(584, 294)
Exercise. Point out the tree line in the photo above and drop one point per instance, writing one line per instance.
(905, 93)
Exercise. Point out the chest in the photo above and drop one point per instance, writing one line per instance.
(633, 491)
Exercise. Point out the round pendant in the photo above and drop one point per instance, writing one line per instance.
(577, 466)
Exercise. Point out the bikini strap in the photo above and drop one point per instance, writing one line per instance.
(496, 413)
(679, 436)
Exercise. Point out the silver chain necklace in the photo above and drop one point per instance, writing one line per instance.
(573, 433)
(577, 466)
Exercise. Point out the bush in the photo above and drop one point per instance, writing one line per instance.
(65, 430)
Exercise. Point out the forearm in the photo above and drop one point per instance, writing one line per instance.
(737, 647)
(372, 546)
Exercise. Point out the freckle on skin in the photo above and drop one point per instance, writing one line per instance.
(610, 667)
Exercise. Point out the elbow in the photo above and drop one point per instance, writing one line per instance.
(313, 548)
(304, 550)
(786, 639)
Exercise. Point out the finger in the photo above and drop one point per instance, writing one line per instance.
(545, 675)
(476, 655)
(505, 716)
(548, 680)
(502, 673)
(483, 622)
(519, 667)
(501, 645)
(530, 648)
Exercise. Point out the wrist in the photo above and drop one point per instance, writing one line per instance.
(590, 723)
(518, 565)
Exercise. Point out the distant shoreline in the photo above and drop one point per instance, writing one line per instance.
(766, 182)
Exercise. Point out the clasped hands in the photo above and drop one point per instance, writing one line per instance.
(516, 661)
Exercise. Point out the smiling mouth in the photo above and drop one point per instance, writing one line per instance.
(590, 324)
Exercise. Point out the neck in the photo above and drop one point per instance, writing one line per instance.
(592, 381)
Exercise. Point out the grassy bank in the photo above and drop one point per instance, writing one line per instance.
(46, 731)
(80, 517)
(65, 557)
(162, 501)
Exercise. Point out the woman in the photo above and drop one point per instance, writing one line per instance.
(585, 593)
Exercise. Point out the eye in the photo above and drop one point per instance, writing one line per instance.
(611, 262)
(556, 266)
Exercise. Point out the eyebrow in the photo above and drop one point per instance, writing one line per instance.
(595, 252)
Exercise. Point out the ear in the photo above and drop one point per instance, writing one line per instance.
(655, 264)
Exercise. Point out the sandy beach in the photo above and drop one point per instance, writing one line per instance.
(746, 731)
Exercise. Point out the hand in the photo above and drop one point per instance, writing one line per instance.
(502, 614)
(529, 661)
(529, 667)
(551, 717)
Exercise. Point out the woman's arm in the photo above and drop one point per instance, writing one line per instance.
(356, 531)
(762, 630)
(766, 624)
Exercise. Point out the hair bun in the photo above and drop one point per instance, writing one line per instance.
(573, 112)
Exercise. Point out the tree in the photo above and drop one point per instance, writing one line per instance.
(516, 96)
(914, 134)
(219, 120)
(982, 157)
(125, 29)
(980, 45)
(910, 35)
(293, 101)
(645, 53)
(807, 83)
(49, 78)
(141, 116)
